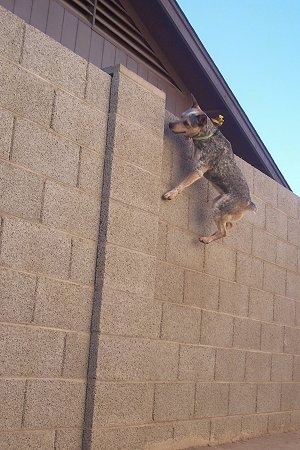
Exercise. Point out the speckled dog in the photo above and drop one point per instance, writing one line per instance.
(213, 159)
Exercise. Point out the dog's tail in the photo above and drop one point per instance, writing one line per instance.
(252, 206)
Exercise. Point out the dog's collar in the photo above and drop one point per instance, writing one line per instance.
(198, 137)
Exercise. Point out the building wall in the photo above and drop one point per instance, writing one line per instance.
(53, 113)
(164, 343)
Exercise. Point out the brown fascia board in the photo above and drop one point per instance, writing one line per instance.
(205, 63)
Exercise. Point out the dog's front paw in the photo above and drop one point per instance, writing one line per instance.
(170, 194)
(204, 239)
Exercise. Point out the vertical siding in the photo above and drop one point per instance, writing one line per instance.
(58, 22)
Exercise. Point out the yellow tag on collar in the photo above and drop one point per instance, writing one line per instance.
(218, 120)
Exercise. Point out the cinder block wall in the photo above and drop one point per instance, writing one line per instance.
(53, 119)
(168, 343)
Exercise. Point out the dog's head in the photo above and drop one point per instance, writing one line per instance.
(192, 122)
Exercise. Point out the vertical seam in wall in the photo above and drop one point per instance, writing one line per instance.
(99, 277)
(24, 404)
(12, 139)
(256, 398)
(63, 356)
(215, 364)
(161, 320)
(195, 393)
(1, 232)
(153, 404)
(86, 78)
(42, 202)
(178, 364)
(35, 300)
(71, 257)
(79, 167)
(55, 440)
(22, 44)
(53, 109)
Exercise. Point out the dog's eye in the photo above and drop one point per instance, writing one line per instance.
(186, 123)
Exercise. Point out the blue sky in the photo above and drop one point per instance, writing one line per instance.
(256, 46)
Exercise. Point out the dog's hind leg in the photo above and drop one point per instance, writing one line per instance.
(221, 223)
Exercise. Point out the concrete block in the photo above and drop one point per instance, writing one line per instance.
(132, 228)
(21, 192)
(211, 399)
(268, 397)
(127, 314)
(98, 88)
(68, 439)
(174, 401)
(242, 398)
(225, 429)
(258, 220)
(294, 231)
(293, 285)
(276, 222)
(220, 261)
(200, 212)
(296, 368)
(201, 290)
(25, 93)
(265, 188)
(91, 171)
(76, 354)
(126, 270)
(11, 403)
(135, 359)
(253, 426)
(287, 201)
(286, 255)
(24, 440)
(180, 323)
(54, 403)
(175, 212)
(292, 340)
(79, 122)
(216, 329)
(6, 120)
(11, 35)
(184, 249)
(137, 145)
(264, 245)
(137, 100)
(295, 420)
(196, 363)
(258, 366)
(282, 367)
(161, 247)
(169, 282)
(233, 298)
(54, 62)
(30, 352)
(290, 396)
(34, 248)
(135, 187)
(63, 305)
(230, 365)
(240, 237)
(17, 291)
(261, 305)
(71, 210)
(247, 170)
(129, 438)
(246, 333)
(123, 403)
(274, 278)
(279, 423)
(272, 338)
(284, 310)
(249, 270)
(83, 260)
(192, 433)
(44, 152)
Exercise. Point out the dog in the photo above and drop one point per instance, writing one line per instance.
(214, 160)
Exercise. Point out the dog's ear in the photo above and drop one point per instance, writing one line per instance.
(195, 103)
(202, 120)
